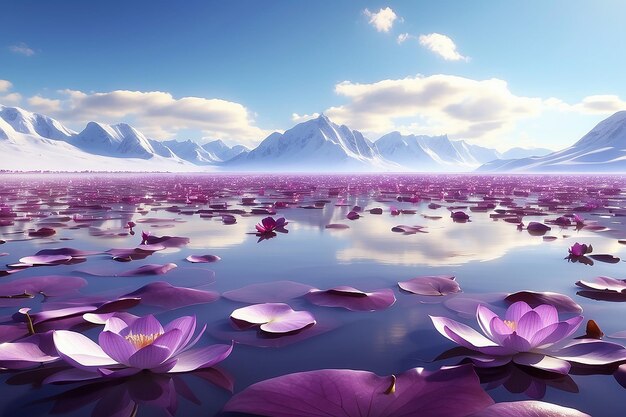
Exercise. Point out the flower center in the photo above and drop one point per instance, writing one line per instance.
(512, 325)
(142, 340)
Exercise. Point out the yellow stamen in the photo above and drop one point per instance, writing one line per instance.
(392, 387)
(142, 340)
(512, 325)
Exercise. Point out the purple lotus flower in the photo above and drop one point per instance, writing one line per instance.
(527, 337)
(578, 249)
(128, 345)
(268, 225)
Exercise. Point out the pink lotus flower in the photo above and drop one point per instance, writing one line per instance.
(527, 336)
(578, 249)
(268, 225)
(128, 345)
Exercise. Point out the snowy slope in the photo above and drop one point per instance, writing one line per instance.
(603, 149)
(314, 145)
(518, 153)
(432, 153)
(32, 152)
(23, 121)
(120, 140)
(223, 152)
(192, 152)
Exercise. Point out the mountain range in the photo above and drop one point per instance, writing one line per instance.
(31, 141)
(603, 149)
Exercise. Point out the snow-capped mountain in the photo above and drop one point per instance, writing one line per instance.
(432, 153)
(222, 151)
(518, 153)
(33, 142)
(603, 149)
(23, 121)
(120, 140)
(191, 151)
(314, 145)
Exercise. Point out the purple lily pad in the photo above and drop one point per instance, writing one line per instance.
(408, 230)
(67, 252)
(276, 318)
(604, 284)
(149, 269)
(431, 285)
(162, 294)
(43, 260)
(609, 259)
(12, 293)
(202, 259)
(344, 392)
(352, 299)
(268, 292)
(337, 226)
(43, 232)
(537, 229)
(563, 303)
(528, 408)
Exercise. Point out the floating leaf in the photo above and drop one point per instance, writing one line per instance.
(273, 318)
(164, 295)
(563, 303)
(352, 299)
(202, 258)
(268, 292)
(452, 392)
(431, 285)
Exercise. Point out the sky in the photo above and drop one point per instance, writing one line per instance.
(496, 73)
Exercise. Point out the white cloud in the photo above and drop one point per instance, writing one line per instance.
(44, 105)
(403, 37)
(442, 45)
(10, 99)
(381, 20)
(5, 86)
(22, 49)
(157, 114)
(462, 107)
(297, 118)
(600, 104)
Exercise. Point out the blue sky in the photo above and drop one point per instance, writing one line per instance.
(497, 73)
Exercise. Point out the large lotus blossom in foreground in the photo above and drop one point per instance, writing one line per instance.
(128, 345)
(527, 336)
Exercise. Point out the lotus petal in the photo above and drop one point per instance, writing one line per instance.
(21, 355)
(342, 392)
(592, 352)
(543, 362)
(80, 351)
(528, 408)
(273, 317)
(352, 299)
(431, 285)
(204, 357)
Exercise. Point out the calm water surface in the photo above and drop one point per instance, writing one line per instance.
(487, 255)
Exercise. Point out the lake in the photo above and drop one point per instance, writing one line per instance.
(488, 254)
